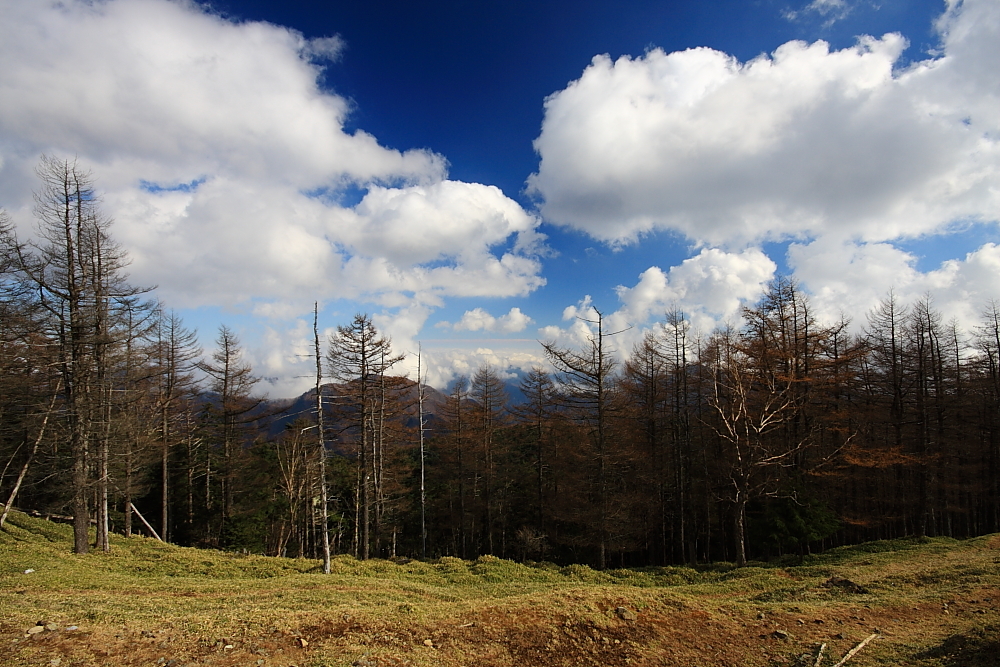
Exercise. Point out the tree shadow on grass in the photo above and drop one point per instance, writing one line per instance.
(976, 648)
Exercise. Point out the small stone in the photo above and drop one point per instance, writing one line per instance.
(71, 628)
(227, 647)
(28, 571)
(779, 634)
(55, 662)
(36, 629)
(303, 642)
(51, 627)
(626, 614)
(760, 616)
(429, 642)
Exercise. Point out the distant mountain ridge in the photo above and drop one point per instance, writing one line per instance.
(304, 405)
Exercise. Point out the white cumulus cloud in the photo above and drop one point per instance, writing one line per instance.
(850, 278)
(803, 142)
(224, 163)
(709, 289)
(478, 319)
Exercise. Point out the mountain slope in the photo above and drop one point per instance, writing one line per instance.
(930, 603)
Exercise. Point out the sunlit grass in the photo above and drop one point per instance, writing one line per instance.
(203, 597)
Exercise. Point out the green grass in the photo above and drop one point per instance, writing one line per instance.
(490, 611)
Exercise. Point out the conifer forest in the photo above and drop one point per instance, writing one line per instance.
(780, 435)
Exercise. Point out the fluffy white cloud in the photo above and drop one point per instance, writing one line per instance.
(449, 365)
(425, 224)
(478, 319)
(849, 278)
(222, 162)
(709, 288)
(166, 91)
(802, 142)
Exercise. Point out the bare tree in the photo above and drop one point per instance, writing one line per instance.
(489, 410)
(321, 445)
(750, 404)
(987, 371)
(423, 471)
(537, 412)
(77, 272)
(763, 379)
(231, 379)
(175, 354)
(585, 384)
(25, 376)
(358, 357)
(454, 462)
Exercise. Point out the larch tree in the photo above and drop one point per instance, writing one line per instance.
(29, 390)
(537, 413)
(77, 272)
(454, 464)
(358, 357)
(175, 355)
(489, 407)
(232, 380)
(662, 399)
(986, 379)
(585, 384)
(134, 404)
(676, 347)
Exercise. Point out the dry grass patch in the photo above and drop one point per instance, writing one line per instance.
(934, 603)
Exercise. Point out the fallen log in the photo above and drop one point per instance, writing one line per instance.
(819, 656)
(854, 651)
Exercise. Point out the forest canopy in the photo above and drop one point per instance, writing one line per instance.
(777, 435)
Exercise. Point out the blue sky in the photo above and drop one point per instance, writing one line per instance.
(476, 175)
(467, 79)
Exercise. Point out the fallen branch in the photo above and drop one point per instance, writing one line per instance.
(854, 651)
(62, 518)
(34, 450)
(151, 529)
(819, 656)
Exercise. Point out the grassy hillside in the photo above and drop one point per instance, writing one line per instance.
(932, 603)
